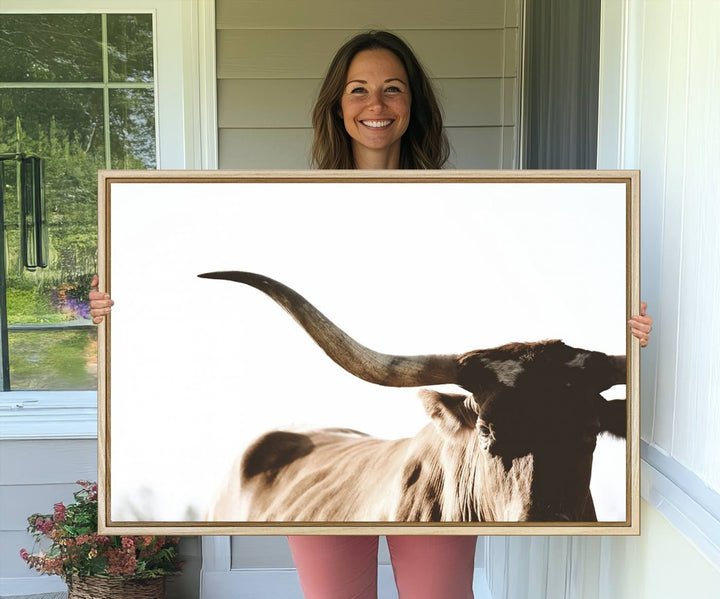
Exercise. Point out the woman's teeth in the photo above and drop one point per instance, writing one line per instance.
(376, 124)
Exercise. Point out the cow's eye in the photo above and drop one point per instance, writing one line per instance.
(484, 430)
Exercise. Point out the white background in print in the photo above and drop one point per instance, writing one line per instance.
(201, 367)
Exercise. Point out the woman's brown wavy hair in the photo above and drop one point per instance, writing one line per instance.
(424, 144)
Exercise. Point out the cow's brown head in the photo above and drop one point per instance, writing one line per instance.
(534, 414)
(530, 422)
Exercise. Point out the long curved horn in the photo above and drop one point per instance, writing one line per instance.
(374, 367)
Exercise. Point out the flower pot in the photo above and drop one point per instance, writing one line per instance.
(116, 587)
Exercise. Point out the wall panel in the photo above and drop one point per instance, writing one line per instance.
(265, 148)
(271, 58)
(19, 501)
(34, 476)
(47, 462)
(672, 233)
(331, 14)
(653, 150)
(288, 103)
(306, 53)
(475, 147)
(697, 410)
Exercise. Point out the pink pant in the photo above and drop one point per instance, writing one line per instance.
(425, 567)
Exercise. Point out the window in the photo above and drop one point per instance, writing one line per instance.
(77, 90)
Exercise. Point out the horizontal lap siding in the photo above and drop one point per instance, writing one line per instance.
(339, 14)
(287, 103)
(264, 148)
(35, 475)
(271, 59)
(306, 54)
(471, 147)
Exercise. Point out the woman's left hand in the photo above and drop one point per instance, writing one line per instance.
(641, 325)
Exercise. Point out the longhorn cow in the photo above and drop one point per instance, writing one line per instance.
(518, 446)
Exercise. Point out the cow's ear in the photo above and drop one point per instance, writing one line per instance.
(450, 413)
(613, 417)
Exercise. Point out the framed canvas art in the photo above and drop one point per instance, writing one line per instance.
(369, 352)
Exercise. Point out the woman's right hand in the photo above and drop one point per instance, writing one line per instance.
(100, 302)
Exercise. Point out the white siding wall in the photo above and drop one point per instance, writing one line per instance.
(672, 133)
(660, 85)
(271, 58)
(35, 475)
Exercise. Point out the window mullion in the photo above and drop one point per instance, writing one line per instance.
(4, 346)
(106, 90)
(75, 85)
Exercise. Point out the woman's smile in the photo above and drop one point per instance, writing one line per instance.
(376, 124)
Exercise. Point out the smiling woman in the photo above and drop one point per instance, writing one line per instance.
(377, 109)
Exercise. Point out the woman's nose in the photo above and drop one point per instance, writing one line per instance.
(376, 100)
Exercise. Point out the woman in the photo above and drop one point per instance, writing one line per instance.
(376, 110)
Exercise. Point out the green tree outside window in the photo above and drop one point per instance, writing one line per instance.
(77, 90)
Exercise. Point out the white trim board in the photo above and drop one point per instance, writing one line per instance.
(693, 508)
(37, 587)
(48, 415)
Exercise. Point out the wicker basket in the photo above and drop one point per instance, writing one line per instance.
(116, 587)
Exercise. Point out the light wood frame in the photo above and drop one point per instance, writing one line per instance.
(108, 180)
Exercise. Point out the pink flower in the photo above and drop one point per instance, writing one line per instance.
(121, 562)
(24, 555)
(128, 543)
(44, 526)
(53, 565)
(59, 509)
(82, 539)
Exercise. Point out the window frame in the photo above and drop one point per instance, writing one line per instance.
(184, 36)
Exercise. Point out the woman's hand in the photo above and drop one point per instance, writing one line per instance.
(100, 302)
(641, 325)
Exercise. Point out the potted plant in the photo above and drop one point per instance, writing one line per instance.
(97, 566)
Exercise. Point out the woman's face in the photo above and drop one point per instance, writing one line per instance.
(375, 104)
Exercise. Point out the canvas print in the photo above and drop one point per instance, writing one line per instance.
(390, 354)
